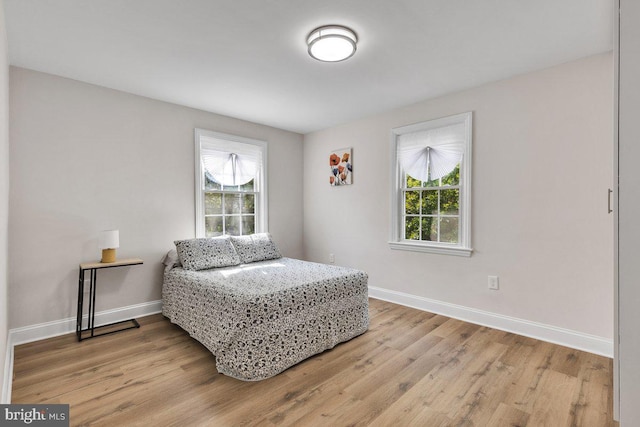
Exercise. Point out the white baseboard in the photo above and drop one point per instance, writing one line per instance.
(65, 326)
(541, 331)
(60, 327)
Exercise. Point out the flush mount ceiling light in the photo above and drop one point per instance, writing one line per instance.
(332, 43)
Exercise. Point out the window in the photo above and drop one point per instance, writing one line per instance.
(230, 184)
(431, 195)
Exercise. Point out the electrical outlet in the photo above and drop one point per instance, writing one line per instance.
(493, 283)
(332, 259)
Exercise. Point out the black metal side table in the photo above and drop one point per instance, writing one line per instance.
(92, 268)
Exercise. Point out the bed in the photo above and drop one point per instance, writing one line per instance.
(261, 316)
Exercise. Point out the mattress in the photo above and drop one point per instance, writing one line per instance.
(258, 319)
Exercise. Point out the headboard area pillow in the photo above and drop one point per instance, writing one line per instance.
(255, 247)
(205, 253)
(170, 260)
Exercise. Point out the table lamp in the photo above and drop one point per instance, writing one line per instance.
(109, 241)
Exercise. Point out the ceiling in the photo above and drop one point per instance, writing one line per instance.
(248, 58)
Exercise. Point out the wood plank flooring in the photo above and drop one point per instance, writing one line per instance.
(410, 368)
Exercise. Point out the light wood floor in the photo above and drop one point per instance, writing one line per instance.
(410, 368)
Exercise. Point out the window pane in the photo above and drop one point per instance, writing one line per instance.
(432, 183)
(412, 202)
(232, 225)
(453, 178)
(212, 204)
(429, 228)
(449, 230)
(412, 228)
(249, 186)
(450, 202)
(210, 183)
(430, 202)
(232, 203)
(230, 187)
(213, 226)
(248, 224)
(248, 204)
(412, 182)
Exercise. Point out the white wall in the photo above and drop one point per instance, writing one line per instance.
(86, 158)
(4, 194)
(542, 164)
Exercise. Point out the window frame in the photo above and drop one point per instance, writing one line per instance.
(261, 197)
(396, 241)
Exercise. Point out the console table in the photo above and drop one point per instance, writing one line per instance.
(92, 268)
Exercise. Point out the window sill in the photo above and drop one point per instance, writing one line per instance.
(420, 247)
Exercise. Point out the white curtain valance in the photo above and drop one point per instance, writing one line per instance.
(431, 154)
(230, 165)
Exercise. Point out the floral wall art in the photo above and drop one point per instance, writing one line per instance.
(340, 166)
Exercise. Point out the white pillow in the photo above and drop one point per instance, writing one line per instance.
(170, 260)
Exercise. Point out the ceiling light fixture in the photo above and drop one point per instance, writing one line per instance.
(332, 43)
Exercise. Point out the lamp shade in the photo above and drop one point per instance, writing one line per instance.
(109, 239)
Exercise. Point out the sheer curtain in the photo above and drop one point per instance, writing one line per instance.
(228, 165)
(431, 154)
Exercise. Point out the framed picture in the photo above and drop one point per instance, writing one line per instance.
(340, 166)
